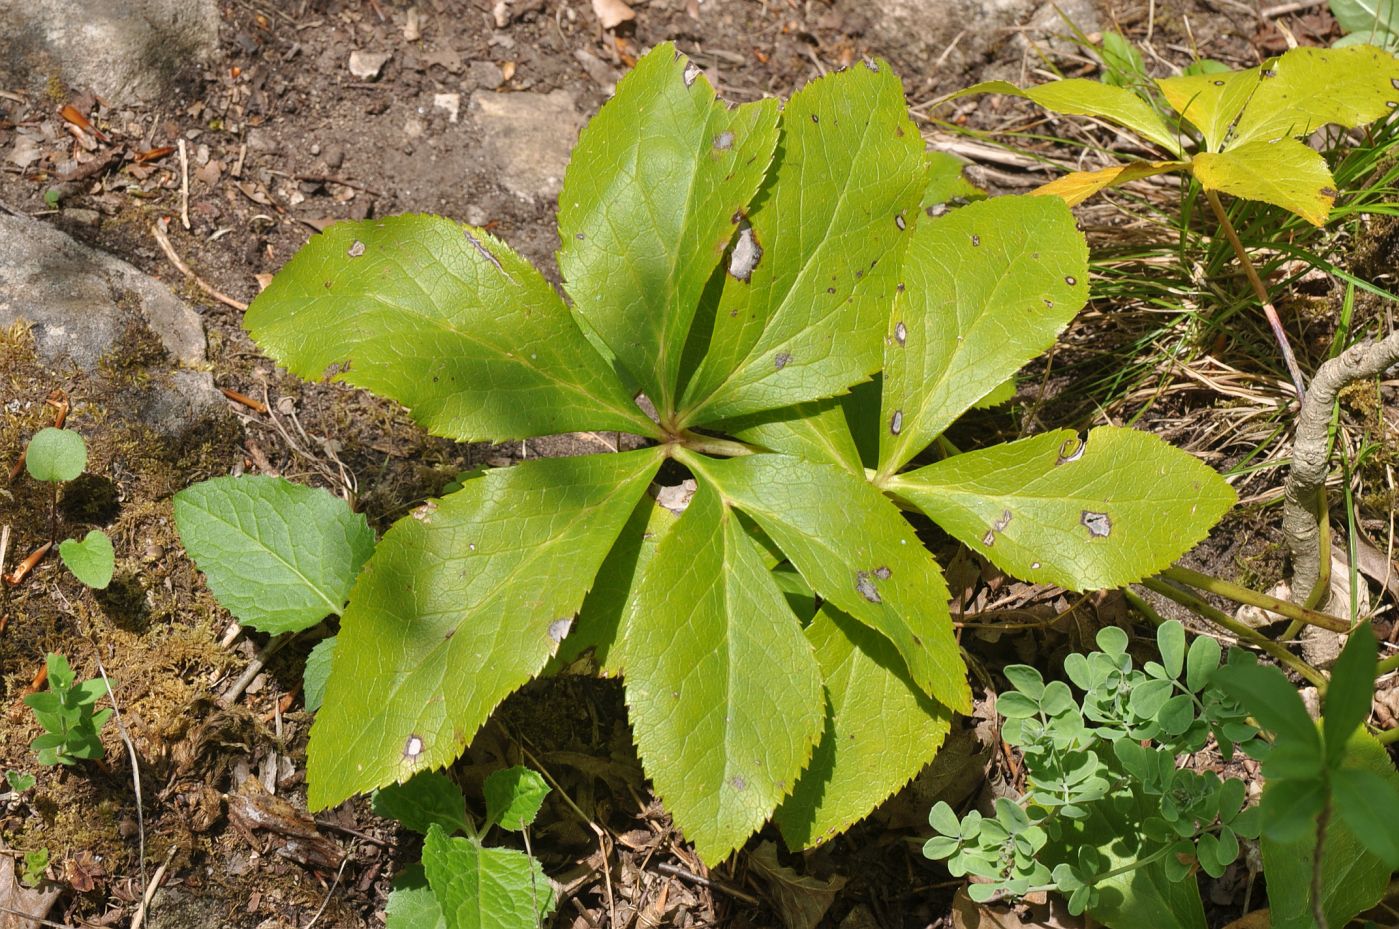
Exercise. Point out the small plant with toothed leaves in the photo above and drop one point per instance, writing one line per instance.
(805, 316)
(1240, 133)
(72, 730)
(462, 881)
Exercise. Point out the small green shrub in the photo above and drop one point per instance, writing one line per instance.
(65, 710)
(56, 456)
(35, 869)
(463, 883)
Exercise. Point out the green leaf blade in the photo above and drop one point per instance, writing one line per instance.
(1307, 88)
(806, 323)
(856, 550)
(462, 603)
(446, 320)
(514, 796)
(653, 194)
(1083, 97)
(1283, 172)
(1351, 691)
(55, 455)
(485, 888)
(279, 556)
(411, 904)
(986, 288)
(881, 730)
(723, 690)
(92, 560)
(428, 798)
(317, 673)
(1102, 513)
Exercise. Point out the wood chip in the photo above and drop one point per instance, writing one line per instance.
(612, 13)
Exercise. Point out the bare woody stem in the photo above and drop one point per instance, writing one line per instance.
(1260, 291)
(1303, 503)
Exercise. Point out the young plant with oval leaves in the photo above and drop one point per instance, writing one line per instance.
(803, 319)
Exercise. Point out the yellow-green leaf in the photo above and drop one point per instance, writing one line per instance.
(1082, 97)
(1210, 102)
(1307, 88)
(1283, 172)
(1078, 186)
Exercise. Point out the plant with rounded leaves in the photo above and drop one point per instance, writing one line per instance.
(57, 456)
(1108, 818)
(804, 316)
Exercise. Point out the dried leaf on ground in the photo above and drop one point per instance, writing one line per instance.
(802, 900)
(968, 914)
(252, 808)
(612, 13)
(17, 899)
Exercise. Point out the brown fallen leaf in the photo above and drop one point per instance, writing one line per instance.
(612, 13)
(16, 899)
(802, 901)
(1054, 914)
(252, 808)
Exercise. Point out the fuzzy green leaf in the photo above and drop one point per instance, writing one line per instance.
(55, 455)
(446, 320)
(1307, 88)
(411, 904)
(279, 556)
(317, 672)
(986, 288)
(514, 796)
(723, 691)
(1352, 878)
(92, 560)
(858, 552)
(463, 601)
(1049, 509)
(428, 798)
(485, 888)
(1283, 172)
(880, 732)
(806, 322)
(656, 187)
(1083, 97)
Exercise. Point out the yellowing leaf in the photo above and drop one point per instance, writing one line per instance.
(1082, 97)
(1078, 186)
(1307, 88)
(725, 694)
(1283, 172)
(1210, 102)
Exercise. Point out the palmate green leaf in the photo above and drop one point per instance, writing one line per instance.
(656, 187)
(446, 320)
(986, 288)
(815, 431)
(1283, 172)
(485, 888)
(880, 732)
(723, 691)
(1307, 88)
(279, 556)
(856, 551)
(806, 321)
(92, 560)
(1100, 513)
(1083, 97)
(463, 601)
(1352, 878)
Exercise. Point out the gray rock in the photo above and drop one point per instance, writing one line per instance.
(125, 50)
(80, 303)
(528, 137)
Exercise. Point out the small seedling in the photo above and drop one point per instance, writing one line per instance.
(1108, 818)
(36, 867)
(18, 781)
(57, 456)
(462, 882)
(92, 560)
(65, 710)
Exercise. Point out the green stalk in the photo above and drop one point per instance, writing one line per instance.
(711, 445)
(1231, 591)
(1224, 620)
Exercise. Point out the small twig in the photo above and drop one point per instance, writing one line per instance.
(184, 185)
(674, 870)
(1259, 291)
(21, 571)
(329, 893)
(354, 833)
(264, 654)
(257, 406)
(135, 765)
(163, 241)
(151, 888)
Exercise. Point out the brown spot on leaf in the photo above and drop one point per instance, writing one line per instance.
(864, 585)
(780, 360)
(1099, 525)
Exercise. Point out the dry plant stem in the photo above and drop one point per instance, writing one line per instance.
(1230, 591)
(151, 888)
(1224, 620)
(1303, 504)
(264, 654)
(163, 240)
(1260, 291)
